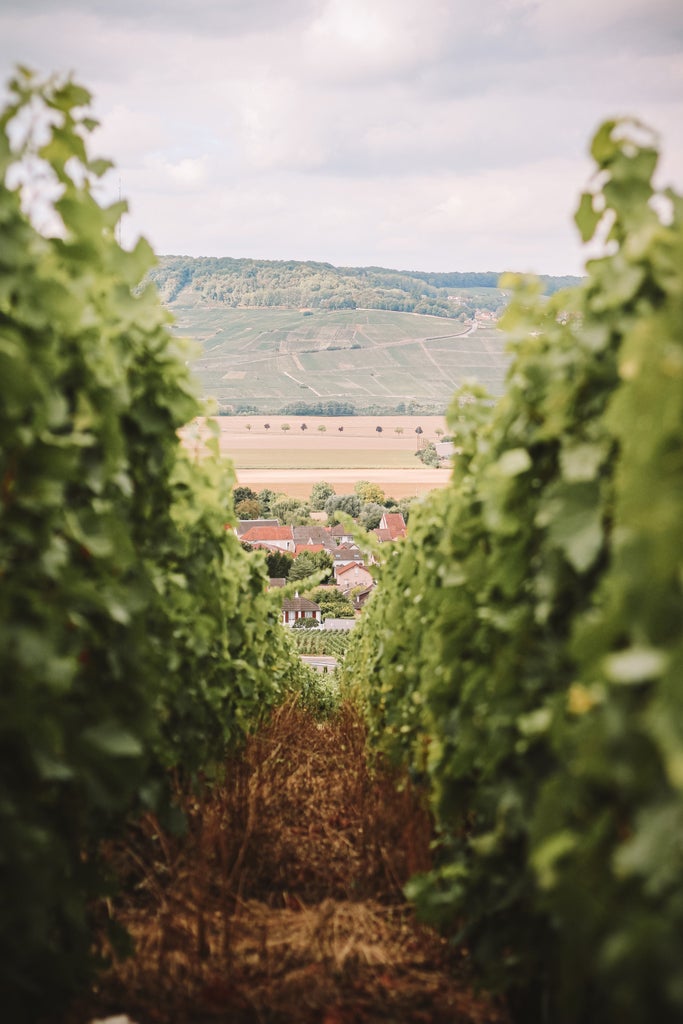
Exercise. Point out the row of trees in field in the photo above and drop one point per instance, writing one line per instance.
(136, 636)
(523, 653)
(322, 428)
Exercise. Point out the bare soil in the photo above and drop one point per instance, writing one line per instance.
(283, 901)
(298, 483)
(348, 449)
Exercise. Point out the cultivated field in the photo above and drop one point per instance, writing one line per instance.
(350, 448)
(267, 359)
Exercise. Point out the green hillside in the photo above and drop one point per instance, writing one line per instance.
(337, 362)
(310, 338)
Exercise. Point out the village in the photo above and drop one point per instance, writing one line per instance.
(351, 575)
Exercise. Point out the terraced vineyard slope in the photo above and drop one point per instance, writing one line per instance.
(337, 362)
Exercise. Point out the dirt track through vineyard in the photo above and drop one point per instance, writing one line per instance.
(283, 903)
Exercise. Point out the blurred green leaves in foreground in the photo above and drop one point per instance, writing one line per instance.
(135, 634)
(524, 651)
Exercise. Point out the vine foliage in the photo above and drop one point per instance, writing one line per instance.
(524, 651)
(135, 634)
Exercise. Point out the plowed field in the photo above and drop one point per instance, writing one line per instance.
(340, 450)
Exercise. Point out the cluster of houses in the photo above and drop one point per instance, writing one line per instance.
(351, 574)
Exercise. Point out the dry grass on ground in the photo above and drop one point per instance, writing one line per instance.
(283, 903)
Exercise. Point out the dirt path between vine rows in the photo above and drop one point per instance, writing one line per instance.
(282, 902)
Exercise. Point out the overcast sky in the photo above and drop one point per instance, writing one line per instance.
(417, 134)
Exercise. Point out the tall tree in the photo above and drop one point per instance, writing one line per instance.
(371, 515)
(291, 511)
(349, 503)
(304, 565)
(248, 509)
(324, 560)
(243, 494)
(320, 492)
(368, 491)
(279, 564)
(266, 497)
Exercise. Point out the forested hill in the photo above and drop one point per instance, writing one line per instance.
(302, 285)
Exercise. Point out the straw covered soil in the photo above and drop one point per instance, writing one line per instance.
(282, 901)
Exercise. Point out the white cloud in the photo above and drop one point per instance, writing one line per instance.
(187, 173)
(277, 123)
(352, 41)
(206, 17)
(443, 135)
(131, 134)
(610, 24)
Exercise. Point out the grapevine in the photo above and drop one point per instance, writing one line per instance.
(525, 646)
(334, 642)
(135, 634)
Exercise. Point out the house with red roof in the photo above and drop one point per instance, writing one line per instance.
(280, 537)
(392, 526)
(247, 524)
(352, 575)
(296, 608)
(312, 548)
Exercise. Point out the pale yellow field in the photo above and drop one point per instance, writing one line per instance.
(293, 460)
(396, 483)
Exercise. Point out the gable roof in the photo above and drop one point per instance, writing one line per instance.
(362, 596)
(313, 548)
(247, 524)
(266, 533)
(352, 565)
(346, 554)
(299, 604)
(394, 523)
(313, 535)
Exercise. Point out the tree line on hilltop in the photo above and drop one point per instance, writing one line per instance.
(310, 286)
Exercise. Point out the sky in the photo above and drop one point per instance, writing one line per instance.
(412, 134)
